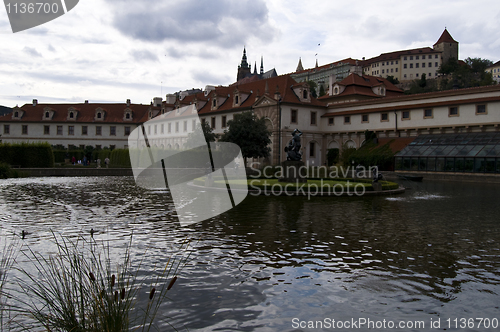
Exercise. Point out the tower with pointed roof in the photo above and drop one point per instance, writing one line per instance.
(244, 68)
(299, 66)
(447, 46)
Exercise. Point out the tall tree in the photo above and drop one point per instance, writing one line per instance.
(194, 137)
(250, 134)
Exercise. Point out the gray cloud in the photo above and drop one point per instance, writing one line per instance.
(143, 55)
(223, 22)
(31, 51)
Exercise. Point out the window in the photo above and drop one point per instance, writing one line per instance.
(25, 129)
(313, 118)
(223, 121)
(149, 130)
(481, 109)
(405, 66)
(71, 115)
(98, 130)
(405, 115)
(436, 56)
(304, 94)
(423, 64)
(185, 126)
(453, 111)
(330, 121)
(411, 65)
(416, 57)
(312, 147)
(383, 71)
(177, 127)
(347, 119)
(169, 128)
(127, 131)
(16, 114)
(436, 64)
(112, 130)
(99, 115)
(428, 113)
(84, 130)
(214, 103)
(156, 129)
(364, 118)
(416, 65)
(405, 58)
(429, 64)
(162, 128)
(71, 130)
(59, 130)
(127, 116)
(46, 130)
(396, 70)
(236, 99)
(6, 129)
(384, 117)
(411, 57)
(213, 122)
(47, 115)
(293, 116)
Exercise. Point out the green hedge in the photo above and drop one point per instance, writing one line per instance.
(372, 155)
(28, 155)
(120, 158)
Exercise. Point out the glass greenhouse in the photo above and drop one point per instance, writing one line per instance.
(470, 152)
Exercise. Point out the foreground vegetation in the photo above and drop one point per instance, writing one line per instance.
(79, 288)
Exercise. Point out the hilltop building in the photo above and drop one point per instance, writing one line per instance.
(245, 74)
(411, 64)
(494, 70)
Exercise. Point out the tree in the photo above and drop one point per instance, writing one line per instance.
(250, 134)
(392, 79)
(194, 138)
(322, 90)
(312, 88)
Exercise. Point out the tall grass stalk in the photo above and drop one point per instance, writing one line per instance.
(7, 259)
(79, 289)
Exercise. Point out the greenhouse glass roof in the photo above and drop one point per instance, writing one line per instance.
(454, 145)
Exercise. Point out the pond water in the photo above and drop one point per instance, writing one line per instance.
(428, 256)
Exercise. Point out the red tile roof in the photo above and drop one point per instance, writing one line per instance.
(113, 113)
(446, 38)
(349, 61)
(398, 54)
(362, 85)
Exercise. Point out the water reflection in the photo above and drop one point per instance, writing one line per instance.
(430, 252)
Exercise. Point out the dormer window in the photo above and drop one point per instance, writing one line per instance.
(127, 116)
(71, 115)
(304, 94)
(99, 114)
(47, 115)
(16, 114)
(214, 103)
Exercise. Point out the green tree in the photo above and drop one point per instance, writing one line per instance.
(193, 138)
(250, 134)
(322, 90)
(392, 79)
(312, 87)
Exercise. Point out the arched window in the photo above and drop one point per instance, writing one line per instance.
(71, 115)
(127, 116)
(99, 115)
(16, 114)
(47, 114)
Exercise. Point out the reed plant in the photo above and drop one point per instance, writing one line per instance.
(79, 288)
(7, 258)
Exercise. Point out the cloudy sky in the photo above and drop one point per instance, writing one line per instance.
(113, 50)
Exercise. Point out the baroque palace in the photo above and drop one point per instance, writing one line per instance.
(357, 100)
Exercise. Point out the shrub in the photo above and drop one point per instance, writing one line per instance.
(27, 154)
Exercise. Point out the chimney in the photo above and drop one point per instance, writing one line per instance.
(157, 101)
(35, 102)
(128, 102)
(86, 101)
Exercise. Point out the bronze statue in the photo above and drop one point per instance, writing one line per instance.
(293, 148)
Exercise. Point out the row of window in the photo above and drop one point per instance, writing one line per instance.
(70, 130)
(417, 65)
(213, 123)
(405, 115)
(417, 57)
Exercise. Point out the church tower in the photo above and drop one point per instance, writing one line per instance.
(447, 46)
(244, 68)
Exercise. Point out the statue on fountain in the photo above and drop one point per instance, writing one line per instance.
(293, 149)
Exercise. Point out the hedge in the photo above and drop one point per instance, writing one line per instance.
(28, 155)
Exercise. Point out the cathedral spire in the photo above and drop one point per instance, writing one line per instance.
(299, 66)
(244, 63)
(255, 68)
(261, 65)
